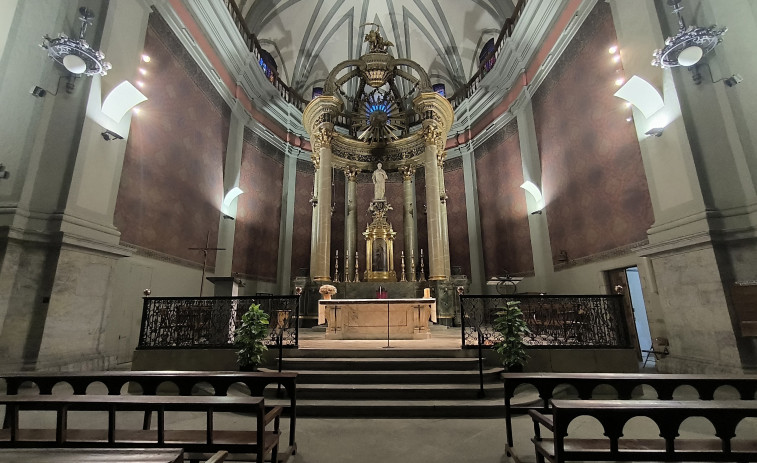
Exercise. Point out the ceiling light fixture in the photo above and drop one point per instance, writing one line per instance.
(75, 54)
(688, 46)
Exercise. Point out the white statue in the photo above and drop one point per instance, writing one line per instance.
(379, 183)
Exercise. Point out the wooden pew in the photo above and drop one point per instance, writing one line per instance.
(667, 415)
(59, 455)
(624, 383)
(258, 441)
(150, 381)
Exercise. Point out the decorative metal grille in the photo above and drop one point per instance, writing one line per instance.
(169, 322)
(575, 321)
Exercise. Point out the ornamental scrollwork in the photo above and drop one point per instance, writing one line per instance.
(351, 173)
(322, 138)
(408, 172)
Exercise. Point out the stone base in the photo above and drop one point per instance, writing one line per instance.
(372, 318)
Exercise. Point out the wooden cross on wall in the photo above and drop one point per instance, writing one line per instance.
(205, 257)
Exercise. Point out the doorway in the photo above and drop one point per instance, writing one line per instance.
(626, 281)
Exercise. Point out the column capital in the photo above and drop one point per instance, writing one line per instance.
(433, 135)
(408, 173)
(322, 137)
(351, 173)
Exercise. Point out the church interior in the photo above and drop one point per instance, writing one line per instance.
(438, 154)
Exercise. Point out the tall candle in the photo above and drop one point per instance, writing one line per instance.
(427, 293)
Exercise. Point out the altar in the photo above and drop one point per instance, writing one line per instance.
(370, 318)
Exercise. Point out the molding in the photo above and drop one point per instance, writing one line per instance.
(627, 250)
(157, 255)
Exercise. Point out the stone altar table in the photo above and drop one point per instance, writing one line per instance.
(367, 318)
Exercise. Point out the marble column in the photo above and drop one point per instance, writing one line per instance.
(409, 223)
(436, 267)
(350, 224)
(322, 251)
(443, 215)
(314, 218)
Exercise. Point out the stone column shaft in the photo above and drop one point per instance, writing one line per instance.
(410, 225)
(436, 266)
(350, 233)
(314, 223)
(323, 234)
(443, 221)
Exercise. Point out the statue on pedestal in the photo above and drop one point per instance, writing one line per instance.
(379, 183)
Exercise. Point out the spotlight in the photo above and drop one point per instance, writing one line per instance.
(733, 80)
(657, 131)
(110, 135)
(38, 91)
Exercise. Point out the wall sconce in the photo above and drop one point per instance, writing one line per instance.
(641, 94)
(121, 99)
(562, 256)
(656, 132)
(227, 200)
(533, 190)
(4, 173)
(109, 135)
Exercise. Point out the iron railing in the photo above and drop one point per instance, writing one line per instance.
(205, 322)
(487, 63)
(564, 321)
(286, 92)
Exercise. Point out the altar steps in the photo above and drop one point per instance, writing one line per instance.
(393, 383)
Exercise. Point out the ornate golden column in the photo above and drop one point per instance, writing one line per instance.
(350, 232)
(410, 225)
(317, 120)
(314, 202)
(437, 116)
(443, 213)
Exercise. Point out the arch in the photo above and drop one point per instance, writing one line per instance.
(565, 391)
(605, 391)
(685, 392)
(203, 388)
(586, 425)
(96, 388)
(642, 427)
(726, 392)
(329, 86)
(28, 388)
(61, 388)
(167, 387)
(695, 427)
(239, 388)
(132, 387)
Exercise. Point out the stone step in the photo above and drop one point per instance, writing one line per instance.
(375, 392)
(373, 363)
(372, 353)
(397, 377)
(482, 408)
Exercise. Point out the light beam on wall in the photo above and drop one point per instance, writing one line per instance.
(641, 94)
(121, 99)
(227, 200)
(533, 190)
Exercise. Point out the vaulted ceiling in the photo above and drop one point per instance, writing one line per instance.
(307, 38)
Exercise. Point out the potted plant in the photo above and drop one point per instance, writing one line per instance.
(327, 291)
(249, 338)
(511, 324)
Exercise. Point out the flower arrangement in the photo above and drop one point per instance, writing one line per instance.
(327, 291)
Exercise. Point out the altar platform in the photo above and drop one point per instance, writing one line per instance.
(442, 338)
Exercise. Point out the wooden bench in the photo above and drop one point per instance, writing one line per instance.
(258, 441)
(59, 455)
(624, 384)
(150, 381)
(667, 415)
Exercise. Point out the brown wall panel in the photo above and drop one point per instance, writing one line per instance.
(457, 220)
(302, 221)
(593, 178)
(171, 186)
(256, 238)
(505, 232)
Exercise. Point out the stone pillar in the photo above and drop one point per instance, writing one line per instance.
(477, 276)
(314, 219)
(409, 223)
(350, 223)
(322, 251)
(287, 220)
(436, 266)
(231, 175)
(443, 214)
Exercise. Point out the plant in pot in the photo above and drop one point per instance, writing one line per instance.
(511, 324)
(249, 338)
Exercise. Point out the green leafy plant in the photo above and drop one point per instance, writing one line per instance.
(511, 324)
(249, 337)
